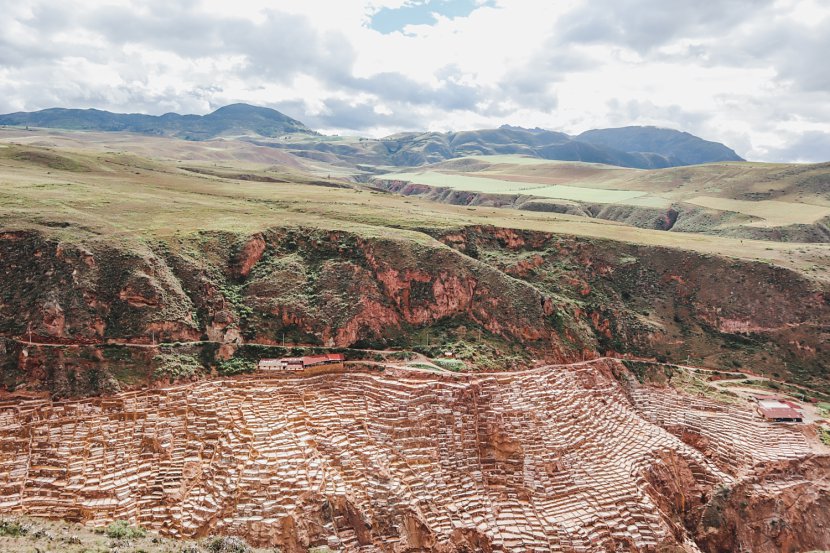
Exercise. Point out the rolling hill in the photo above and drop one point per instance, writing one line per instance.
(764, 201)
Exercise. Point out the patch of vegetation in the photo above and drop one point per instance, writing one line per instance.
(121, 530)
(401, 356)
(235, 365)
(174, 366)
(116, 353)
(14, 528)
(650, 373)
(422, 366)
(228, 544)
(454, 365)
(824, 435)
(233, 294)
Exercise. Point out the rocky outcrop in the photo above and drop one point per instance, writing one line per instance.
(783, 507)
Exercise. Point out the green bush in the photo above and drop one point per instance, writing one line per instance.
(227, 544)
(13, 528)
(450, 364)
(121, 530)
(175, 365)
(235, 365)
(417, 365)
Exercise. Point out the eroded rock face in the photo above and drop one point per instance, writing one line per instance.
(654, 301)
(555, 459)
(517, 296)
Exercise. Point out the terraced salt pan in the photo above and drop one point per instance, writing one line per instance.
(552, 459)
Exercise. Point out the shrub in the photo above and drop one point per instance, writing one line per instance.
(121, 530)
(450, 364)
(175, 366)
(235, 365)
(13, 528)
(228, 544)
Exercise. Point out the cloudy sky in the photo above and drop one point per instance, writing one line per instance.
(753, 74)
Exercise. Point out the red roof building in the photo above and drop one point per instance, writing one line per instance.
(774, 409)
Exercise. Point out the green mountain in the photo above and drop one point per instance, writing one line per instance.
(680, 148)
(232, 120)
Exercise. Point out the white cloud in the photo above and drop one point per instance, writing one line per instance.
(750, 73)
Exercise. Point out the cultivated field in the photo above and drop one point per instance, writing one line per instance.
(762, 195)
(772, 213)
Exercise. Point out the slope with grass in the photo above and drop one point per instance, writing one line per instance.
(117, 248)
(775, 202)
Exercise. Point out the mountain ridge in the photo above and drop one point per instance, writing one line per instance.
(227, 120)
(634, 146)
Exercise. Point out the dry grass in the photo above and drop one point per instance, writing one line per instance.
(773, 213)
(799, 197)
(37, 535)
(129, 198)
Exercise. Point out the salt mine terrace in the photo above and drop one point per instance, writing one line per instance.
(555, 458)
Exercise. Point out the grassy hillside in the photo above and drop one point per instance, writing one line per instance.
(776, 202)
(102, 249)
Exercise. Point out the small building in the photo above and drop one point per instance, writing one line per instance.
(270, 364)
(300, 363)
(774, 409)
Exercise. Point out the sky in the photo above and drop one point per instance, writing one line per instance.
(752, 74)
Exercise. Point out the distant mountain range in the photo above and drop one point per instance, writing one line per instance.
(640, 147)
(232, 120)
